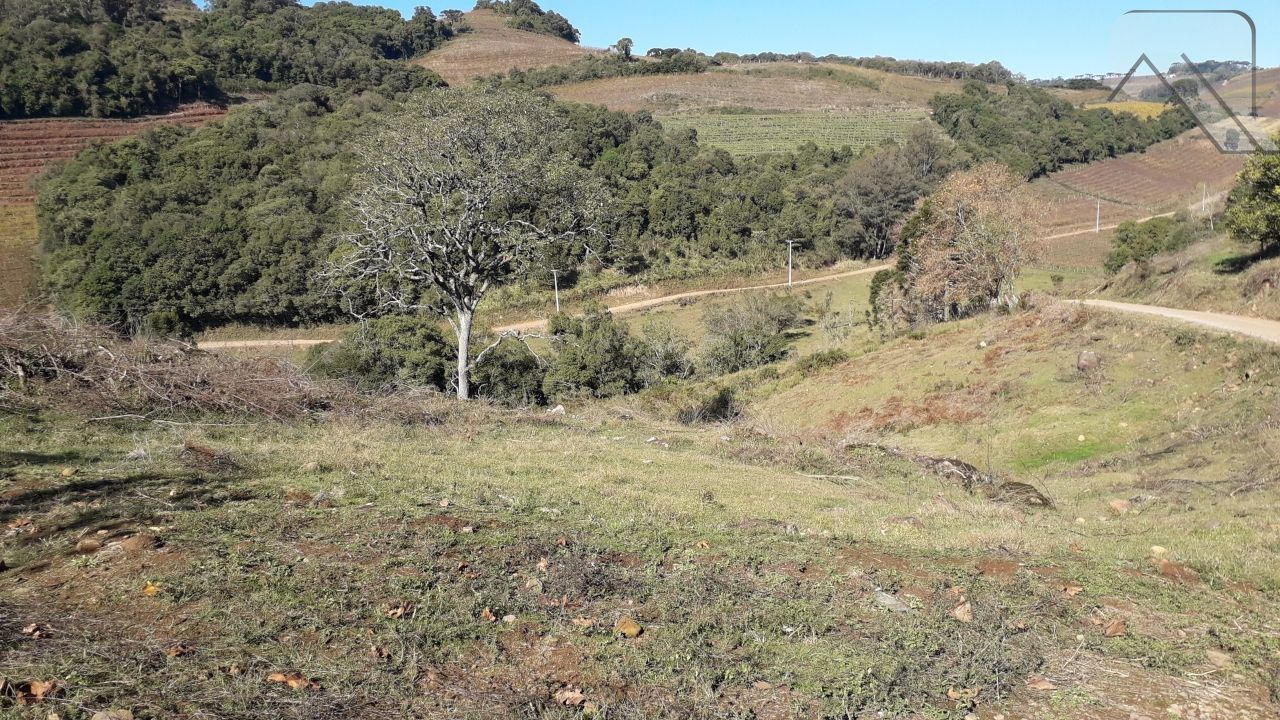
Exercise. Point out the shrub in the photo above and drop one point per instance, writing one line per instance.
(1140, 241)
(595, 356)
(751, 333)
(691, 403)
(510, 374)
(397, 349)
(810, 364)
(663, 354)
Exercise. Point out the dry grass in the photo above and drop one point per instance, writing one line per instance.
(17, 247)
(731, 88)
(492, 47)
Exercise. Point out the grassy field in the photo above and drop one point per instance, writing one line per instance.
(1141, 108)
(17, 247)
(789, 88)
(755, 133)
(487, 563)
(491, 47)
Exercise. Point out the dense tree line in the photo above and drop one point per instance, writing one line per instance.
(229, 223)
(526, 15)
(1035, 133)
(105, 58)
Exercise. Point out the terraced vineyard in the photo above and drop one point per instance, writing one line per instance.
(755, 133)
(27, 147)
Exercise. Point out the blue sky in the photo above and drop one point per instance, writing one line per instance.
(1040, 39)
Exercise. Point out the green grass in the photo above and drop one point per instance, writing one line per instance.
(767, 132)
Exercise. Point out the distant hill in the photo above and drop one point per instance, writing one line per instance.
(491, 46)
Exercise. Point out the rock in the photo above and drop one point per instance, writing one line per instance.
(88, 545)
(68, 471)
(628, 628)
(1018, 493)
(1088, 362)
(890, 602)
(138, 543)
(1218, 659)
(557, 410)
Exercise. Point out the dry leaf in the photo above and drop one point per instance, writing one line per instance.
(563, 541)
(1038, 683)
(569, 696)
(1115, 628)
(29, 693)
(179, 650)
(1072, 590)
(379, 652)
(113, 715)
(703, 545)
(628, 628)
(963, 613)
(444, 503)
(488, 616)
(542, 565)
(150, 589)
(294, 680)
(762, 685)
(36, 630)
(583, 622)
(963, 693)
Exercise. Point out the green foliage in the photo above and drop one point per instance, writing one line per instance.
(220, 225)
(750, 333)
(690, 403)
(663, 354)
(1139, 242)
(988, 72)
(510, 374)
(1253, 207)
(597, 67)
(1035, 133)
(526, 15)
(595, 356)
(398, 349)
(129, 57)
(821, 360)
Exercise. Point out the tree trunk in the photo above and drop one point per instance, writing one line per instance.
(464, 353)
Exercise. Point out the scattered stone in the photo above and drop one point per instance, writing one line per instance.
(557, 410)
(890, 602)
(69, 471)
(1218, 659)
(138, 543)
(628, 628)
(88, 545)
(1088, 362)
(1120, 506)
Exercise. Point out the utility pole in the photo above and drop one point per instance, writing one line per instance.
(790, 244)
(555, 278)
(1204, 196)
(1097, 218)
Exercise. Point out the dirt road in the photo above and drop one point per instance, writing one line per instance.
(531, 325)
(1268, 330)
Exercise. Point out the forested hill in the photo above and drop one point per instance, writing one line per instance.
(113, 58)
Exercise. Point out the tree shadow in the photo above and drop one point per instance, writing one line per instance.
(1239, 263)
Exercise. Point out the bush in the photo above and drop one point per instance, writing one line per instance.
(398, 349)
(595, 356)
(749, 334)
(663, 355)
(510, 374)
(810, 364)
(691, 403)
(1139, 242)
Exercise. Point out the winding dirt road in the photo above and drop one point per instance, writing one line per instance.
(1258, 328)
(532, 325)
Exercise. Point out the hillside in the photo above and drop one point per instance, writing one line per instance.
(491, 47)
(27, 147)
(774, 107)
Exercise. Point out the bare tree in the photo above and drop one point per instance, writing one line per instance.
(456, 196)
